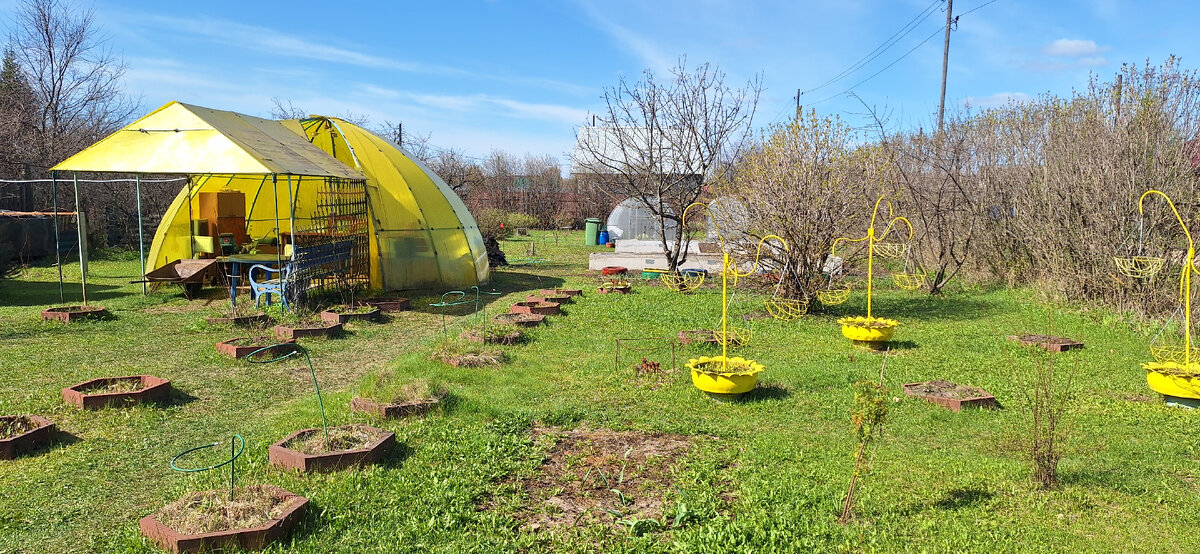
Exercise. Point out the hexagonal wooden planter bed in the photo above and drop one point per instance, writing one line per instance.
(389, 304)
(523, 320)
(561, 292)
(350, 445)
(275, 511)
(255, 320)
(321, 329)
(241, 347)
(117, 391)
(71, 314)
(343, 314)
(492, 336)
(540, 308)
(555, 298)
(23, 433)
(1049, 342)
(390, 411)
(951, 395)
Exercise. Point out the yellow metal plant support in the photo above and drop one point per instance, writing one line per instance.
(1169, 376)
(728, 271)
(873, 240)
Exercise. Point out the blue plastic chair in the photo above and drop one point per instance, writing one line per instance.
(268, 287)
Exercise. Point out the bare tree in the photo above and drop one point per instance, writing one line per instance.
(660, 142)
(74, 76)
(456, 169)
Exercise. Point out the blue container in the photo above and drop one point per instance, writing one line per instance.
(603, 238)
(694, 272)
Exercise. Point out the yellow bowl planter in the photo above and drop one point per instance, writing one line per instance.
(1173, 379)
(717, 375)
(863, 329)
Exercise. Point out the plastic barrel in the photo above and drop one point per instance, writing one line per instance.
(603, 238)
(591, 231)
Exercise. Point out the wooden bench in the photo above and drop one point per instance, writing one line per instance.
(309, 265)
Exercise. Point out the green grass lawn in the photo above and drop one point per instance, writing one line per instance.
(765, 473)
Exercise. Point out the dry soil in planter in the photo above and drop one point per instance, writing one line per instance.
(118, 391)
(343, 314)
(1049, 342)
(561, 292)
(507, 338)
(523, 320)
(398, 410)
(540, 308)
(71, 314)
(23, 433)
(951, 395)
(349, 445)
(389, 304)
(200, 521)
(241, 347)
(555, 298)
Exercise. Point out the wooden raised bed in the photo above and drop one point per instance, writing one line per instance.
(523, 320)
(333, 316)
(71, 314)
(951, 395)
(1049, 342)
(287, 458)
(293, 332)
(389, 411)
(561, 292)
(540, 308)
(389, 304)
(138, 389)
(240, 347)
(253, 538)
(41, 433)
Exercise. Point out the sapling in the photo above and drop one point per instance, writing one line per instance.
(870, 412)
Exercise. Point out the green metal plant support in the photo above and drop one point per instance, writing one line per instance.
(235, 450)
(293, 350)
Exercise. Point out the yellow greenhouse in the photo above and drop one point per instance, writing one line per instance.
(266, 186)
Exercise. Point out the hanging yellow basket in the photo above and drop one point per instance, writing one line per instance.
(833, 297)
(1139, 267)
(736, 336)
(682, 282)
(909, 281)
(890, 249)
(787, 309)
(1173, 353)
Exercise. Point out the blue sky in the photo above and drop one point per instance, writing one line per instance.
(522, 75)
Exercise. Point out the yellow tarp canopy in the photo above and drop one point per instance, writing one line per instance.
(182, 138)
(421, 233)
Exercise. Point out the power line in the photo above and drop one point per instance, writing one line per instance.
(977, 7)
(888, 66)
(882, 48)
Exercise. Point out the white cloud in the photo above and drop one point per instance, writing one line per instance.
(1073, 48)
(996, 100)
(503, 107)
(640, 46)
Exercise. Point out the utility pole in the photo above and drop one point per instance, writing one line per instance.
(945, 62)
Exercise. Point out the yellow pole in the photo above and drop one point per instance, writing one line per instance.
(725, 313)
(870, 266)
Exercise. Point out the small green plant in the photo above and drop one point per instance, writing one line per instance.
(870, 412)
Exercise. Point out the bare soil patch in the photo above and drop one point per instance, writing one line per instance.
(15, 425)
(599, 476)
(942, 388)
